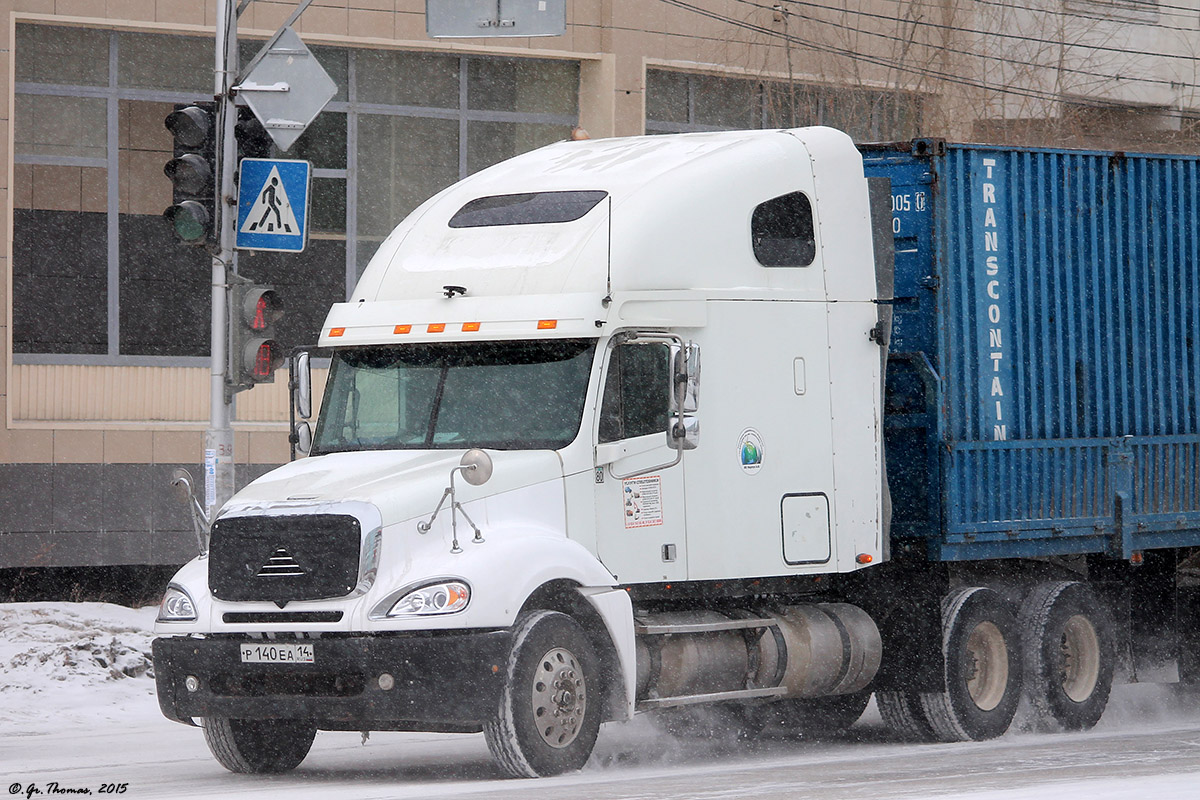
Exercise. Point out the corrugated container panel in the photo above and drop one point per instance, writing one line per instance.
(1065, 368)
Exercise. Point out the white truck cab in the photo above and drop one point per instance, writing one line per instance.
(527, 509)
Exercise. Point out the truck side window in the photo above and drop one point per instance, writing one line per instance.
(781, 231)
(636, 392)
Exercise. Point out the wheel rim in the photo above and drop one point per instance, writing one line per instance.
(559, 697)
(987, 666)
(1081, 658)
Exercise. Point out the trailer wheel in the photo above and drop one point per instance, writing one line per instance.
(1067, 654)
(981, 683)
(819, 717)
(251, 746)
(903, 714)
(549, 713)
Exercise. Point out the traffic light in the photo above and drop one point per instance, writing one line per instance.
(253, 141)
(191, 171)
(254, 354)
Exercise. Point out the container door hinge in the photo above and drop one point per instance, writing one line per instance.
(931, 282)
(877, 335)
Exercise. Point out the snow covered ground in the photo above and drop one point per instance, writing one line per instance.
(78, 712)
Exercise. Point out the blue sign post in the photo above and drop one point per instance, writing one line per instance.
(273, 205)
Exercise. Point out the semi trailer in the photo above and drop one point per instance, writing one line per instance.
(944, 450)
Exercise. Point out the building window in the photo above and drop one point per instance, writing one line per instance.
(97, 275)
(678, 102)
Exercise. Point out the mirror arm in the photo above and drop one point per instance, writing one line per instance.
(292, 437)
(424, 526)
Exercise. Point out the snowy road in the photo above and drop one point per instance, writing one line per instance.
(59, 725)
(126, 743)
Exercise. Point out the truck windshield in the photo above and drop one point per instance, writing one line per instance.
(502, 395)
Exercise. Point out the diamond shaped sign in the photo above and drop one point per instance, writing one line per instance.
(287, 88)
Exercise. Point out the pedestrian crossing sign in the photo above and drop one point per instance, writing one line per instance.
(273, 204)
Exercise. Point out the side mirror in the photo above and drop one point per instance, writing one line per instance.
(686, 369)
(302, 437)
(302, 385)
(476, 467)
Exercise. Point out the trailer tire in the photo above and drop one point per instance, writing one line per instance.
(981, 677)
(902, 713)
(818, 717)
(549, 712)
(1068, 656)
(256, 746)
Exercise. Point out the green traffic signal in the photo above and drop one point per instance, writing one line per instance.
(190, 220)
(193, 210)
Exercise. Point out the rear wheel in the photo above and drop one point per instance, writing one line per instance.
(981, 679)
(251, 746)
(549, 712)
(1067, 656)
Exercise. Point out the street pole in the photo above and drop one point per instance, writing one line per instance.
(218, 439)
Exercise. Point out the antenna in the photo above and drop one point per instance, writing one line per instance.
(608, 287)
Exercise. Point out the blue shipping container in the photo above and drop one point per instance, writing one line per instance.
(1043, 380)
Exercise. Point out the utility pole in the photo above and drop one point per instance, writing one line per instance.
(218, 439)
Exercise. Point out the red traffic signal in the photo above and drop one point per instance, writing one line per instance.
(254, 353)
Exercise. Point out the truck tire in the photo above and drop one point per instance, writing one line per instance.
(902, 713)
(549, 711)
(251, 746)
(818, 717)
(1068, 655)
(981, 678)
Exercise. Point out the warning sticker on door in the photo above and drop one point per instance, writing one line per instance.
(643, 501)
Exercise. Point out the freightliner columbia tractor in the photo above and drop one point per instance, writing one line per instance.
(528, 511)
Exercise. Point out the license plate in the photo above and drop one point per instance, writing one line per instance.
(277, 654)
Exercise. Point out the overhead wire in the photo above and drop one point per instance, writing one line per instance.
(957, 29)
(899, 66)
(970, 53)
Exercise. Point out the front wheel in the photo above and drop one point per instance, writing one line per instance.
(981, 681)
(549, 712)
(251, 746)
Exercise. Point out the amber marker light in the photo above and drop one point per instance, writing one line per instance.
(468, 327)
(402, 329)
(547, 324)
(864, 558)
(336, 331)
(436, 327)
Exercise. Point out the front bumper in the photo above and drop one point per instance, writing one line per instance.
(442, 681)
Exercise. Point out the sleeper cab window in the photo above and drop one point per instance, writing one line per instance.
(781, 231)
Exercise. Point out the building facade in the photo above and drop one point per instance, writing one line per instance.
(105, 376)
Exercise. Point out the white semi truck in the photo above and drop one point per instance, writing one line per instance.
(528, 511)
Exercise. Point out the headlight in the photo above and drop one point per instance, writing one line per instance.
(176, 606)
(443, 597)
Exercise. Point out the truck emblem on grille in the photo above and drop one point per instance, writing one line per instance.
(280, 564)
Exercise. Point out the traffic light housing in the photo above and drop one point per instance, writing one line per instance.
(254, 353)
(253, 141)
(192, 171)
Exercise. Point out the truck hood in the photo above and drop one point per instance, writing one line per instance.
(401, 484)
